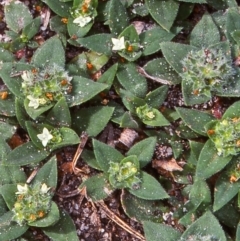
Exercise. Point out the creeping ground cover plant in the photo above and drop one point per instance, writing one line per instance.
(120, 115)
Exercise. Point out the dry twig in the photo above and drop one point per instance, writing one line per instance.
(159, 80)
(83, 141)
(119, 221)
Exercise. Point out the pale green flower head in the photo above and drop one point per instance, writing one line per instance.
(33, 202)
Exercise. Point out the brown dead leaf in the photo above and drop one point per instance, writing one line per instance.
(66, 167)
(127, 137)
(168, 165)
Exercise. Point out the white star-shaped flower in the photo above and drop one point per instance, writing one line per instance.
(28, 77)
(45, 136)
(118, 44)
(44, 188)
(22, 189)
(33, 102)
(82, 21)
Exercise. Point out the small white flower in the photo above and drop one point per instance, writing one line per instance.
(44, 188)
(82, 21)
(28, 77)
(45, 137)
(22, 189)
(33, 102)
(118, 44)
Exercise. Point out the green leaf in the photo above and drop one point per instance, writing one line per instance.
(224, 190)
(236, 36)
(201, 228)
(184, 11)
(194, 1)
(233, 22)
(6, 56)
(143, 150)
(140, 209)
(57, 25)
(140, 10)
(3, 207)
(128, 121)
(89, 158)
(151, 39)
(163, 12)
(200, 193)
(195, 148)
(51, 218)
(63, 230)
(105, 154)
(108, 76)
(210, 162)
(131, 80)
(60, 8)
(11, 174)
(127, 3)
(32, 28)
(130, 101)
(131, 36)
(233, 111)
(100, 43)
(47, 174)
(174, 53)
(7, 105)
(11, 75)
(83, 90)
(8, 192)
(118, 17)
(228, 215)
(97, 60)
(6, 130)
(195, 119)
(158, 120)
(238, 233)
(219, 5)
(51, 52)
(75, 31)
(157, 231)
(92, 119)
(231, 3)
(78, 66)
(150, 189)
(25, 154)
(205, 32)
(17, 44)
(68, 136)
(35, 113)
(160, 68)
(59, 115)
(156, 97)
(17, 16)
(189, 97)
(98, 187)
(232, 89)
(10, 230)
